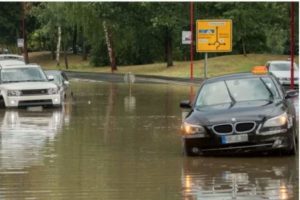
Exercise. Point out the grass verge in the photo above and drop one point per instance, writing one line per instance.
(216, 66)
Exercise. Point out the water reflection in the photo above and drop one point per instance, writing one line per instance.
(24, 134)
(129, 101)
(240, 178)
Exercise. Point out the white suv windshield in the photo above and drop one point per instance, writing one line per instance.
(239, 90)
(282, 67)
(22, 75)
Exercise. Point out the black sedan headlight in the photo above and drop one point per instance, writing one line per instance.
(275, 125)
(191, 129)
(280, 120)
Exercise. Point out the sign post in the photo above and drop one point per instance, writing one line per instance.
(213, 35)
(205, 66)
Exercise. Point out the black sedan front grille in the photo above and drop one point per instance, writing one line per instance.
(239, 127)
(34, 92)
(244, 127)
(223, 129)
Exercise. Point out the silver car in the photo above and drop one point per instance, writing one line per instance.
(282, 70)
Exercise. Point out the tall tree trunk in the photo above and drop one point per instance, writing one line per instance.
(26, 58)
(244, 47)
(52, 50)
(74, 42)
(168, 48)
(84, 50)
(58, 45)
(66, 55)
(25, 50)
(83, 42)
(242, 33)
(109, 44)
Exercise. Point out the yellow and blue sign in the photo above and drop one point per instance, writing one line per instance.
(214, 35)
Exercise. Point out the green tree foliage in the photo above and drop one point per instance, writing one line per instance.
(51, 17)
(9, 22)
(147, 32)
(167, 21)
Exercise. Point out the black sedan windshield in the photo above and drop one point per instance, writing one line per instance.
(237, 90)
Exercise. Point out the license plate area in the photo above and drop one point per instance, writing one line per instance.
(229, 139)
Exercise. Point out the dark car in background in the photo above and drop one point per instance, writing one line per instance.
(240, 113)
(61, 80)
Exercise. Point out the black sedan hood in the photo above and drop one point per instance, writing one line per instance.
(242, 111)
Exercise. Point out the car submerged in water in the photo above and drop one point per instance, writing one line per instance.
(61, 80)
(240, 113)
(23, 85)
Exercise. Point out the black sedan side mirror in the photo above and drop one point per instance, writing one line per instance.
(291, 94)
(185, 104)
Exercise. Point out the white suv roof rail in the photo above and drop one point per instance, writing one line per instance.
(10, 56)
(19, 65)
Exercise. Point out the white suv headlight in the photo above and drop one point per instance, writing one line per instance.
(14, 93)
(52, 91)
(276, 121)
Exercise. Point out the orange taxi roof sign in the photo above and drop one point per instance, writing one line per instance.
(259, 70)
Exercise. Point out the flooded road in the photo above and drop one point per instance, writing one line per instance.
(115, 142)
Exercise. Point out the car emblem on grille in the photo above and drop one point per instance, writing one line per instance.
(233, 120)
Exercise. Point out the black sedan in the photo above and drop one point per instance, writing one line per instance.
(240, 113)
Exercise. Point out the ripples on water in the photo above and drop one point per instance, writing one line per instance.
(240, 178)
(116, 142)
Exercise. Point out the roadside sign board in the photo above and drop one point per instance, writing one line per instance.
(186, 37)
(20, 42)
(214, 35)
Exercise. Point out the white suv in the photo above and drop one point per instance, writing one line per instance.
(26, 85)
(282, 70)
(10, 59)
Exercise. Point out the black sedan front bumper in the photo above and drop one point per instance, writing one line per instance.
(256, 143)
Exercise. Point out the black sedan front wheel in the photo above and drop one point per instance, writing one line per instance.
(294, 144)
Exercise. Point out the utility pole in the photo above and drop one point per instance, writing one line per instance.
(292, 42)
(192, 40)
(25, 50)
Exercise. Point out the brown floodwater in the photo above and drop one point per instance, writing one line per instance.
(112, 141)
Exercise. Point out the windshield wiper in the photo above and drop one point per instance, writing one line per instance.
(11, 81)
(233, 101)
(271, 97)
(33, 81)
